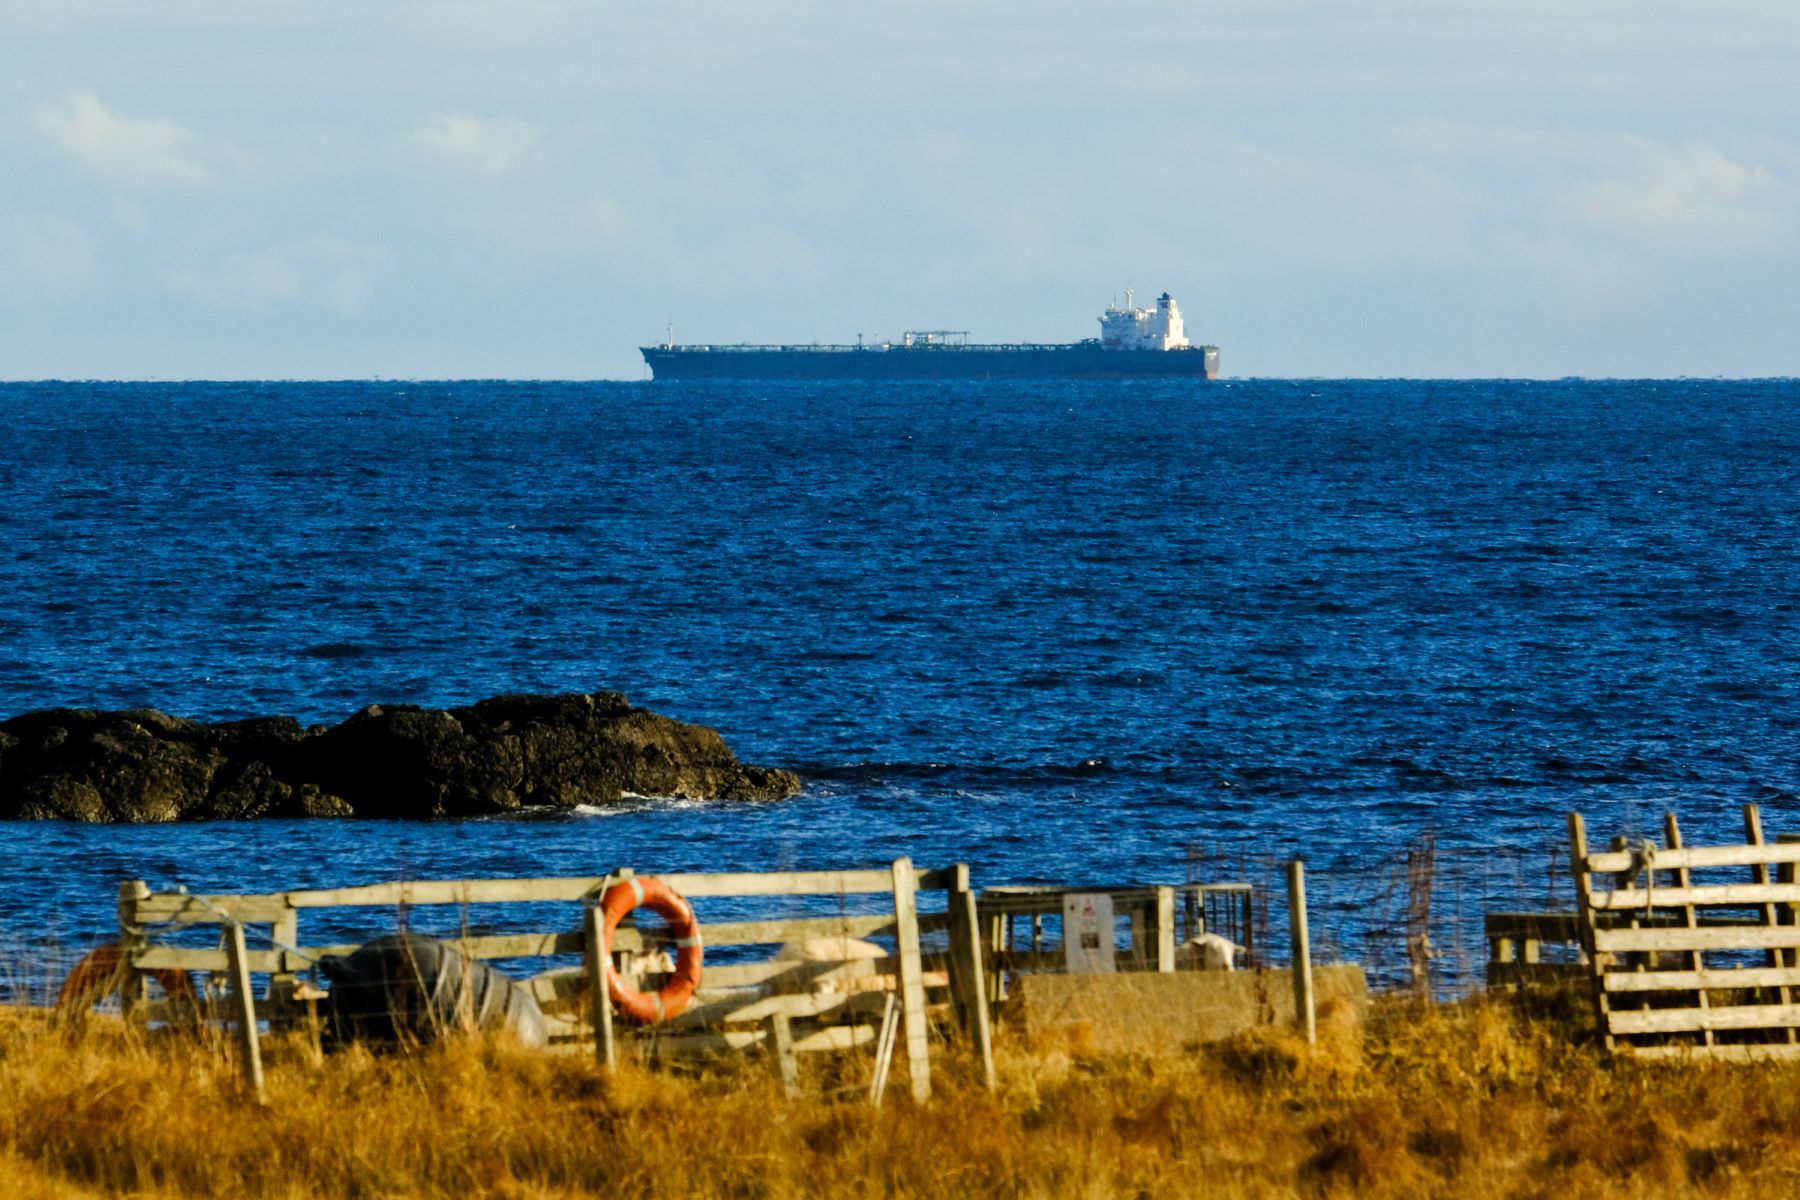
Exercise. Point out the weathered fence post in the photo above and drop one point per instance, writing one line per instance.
(131, 943)
(967, 970)
(912, 979)
(606, 1052)
(243, 1007)
(1165, 929)
(1304, 1015)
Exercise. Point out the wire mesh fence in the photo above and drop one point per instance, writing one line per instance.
(1415, 921)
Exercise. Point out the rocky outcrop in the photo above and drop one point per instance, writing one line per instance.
(501, 755)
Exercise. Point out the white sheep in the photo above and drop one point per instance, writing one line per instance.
(1208, 952)
(635, 964)
(844, 951)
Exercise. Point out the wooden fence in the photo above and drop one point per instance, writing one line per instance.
(1691, 949)
(747, 999)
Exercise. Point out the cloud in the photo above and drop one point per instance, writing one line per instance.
(320, 272)
(476, 145)
(1685, 198)
(136, 151)
(1690, 198)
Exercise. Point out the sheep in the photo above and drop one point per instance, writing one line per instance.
(851, 956)
(634, 965)
(646, 962)
(1208, 952)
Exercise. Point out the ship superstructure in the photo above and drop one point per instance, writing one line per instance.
(1134, 343)
(1129, 328)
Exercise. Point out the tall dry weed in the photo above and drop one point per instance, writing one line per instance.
(1470, 1101)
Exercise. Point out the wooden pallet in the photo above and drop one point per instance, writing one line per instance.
(1691, 950)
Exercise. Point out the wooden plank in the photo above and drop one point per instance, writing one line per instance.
(184, 958)
(1702, 980)
(794, 975)
(1584, 901)
(133, 894)
(780, 883)
(912, 987)
(781, 1046)
(195, 958)
(1697, 857)
(797, 929)
(884, 1050)
(1739, 1053)
(284, 934)
(1706, 937)
(422, 892)
(179, 908)
(243, 1010)
(606, 1050)
(967, 968)
(1753, 834)
(560, 985)
(531, 945)
(504, 945)
(753, 1009)
(832, 1038)
(1162, 925)
(1636, 899)
(1689, 1020)
(1696, 962)
(494, 891)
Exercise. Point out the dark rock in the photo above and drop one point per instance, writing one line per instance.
(497, 756)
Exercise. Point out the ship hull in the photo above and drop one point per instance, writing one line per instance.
(1076, 360)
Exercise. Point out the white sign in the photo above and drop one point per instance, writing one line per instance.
(1088, 933)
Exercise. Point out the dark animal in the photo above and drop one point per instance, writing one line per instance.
(405, 988)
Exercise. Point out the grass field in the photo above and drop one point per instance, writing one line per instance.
(1466, 1101)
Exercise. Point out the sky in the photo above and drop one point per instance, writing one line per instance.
(533, 189)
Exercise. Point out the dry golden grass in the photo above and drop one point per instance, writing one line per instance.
(1470, 1101)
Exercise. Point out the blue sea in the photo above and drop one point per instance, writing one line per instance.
(1071, 632)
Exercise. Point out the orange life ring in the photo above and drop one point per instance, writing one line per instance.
(649, 1008)
(102, 970)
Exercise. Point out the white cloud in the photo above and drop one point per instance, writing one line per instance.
(320, 272)
(1691, 197)
(1685, 198)
(140, 151)
(462, 142)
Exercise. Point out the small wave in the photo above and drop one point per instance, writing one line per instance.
(629, 802)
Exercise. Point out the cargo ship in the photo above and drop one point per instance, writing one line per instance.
(1134, 343)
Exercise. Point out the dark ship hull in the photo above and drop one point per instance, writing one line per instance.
(1073, 360)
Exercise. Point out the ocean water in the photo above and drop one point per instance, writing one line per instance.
(1063, 632)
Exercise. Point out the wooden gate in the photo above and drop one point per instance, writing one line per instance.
(746, 999)
(1691, 950)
